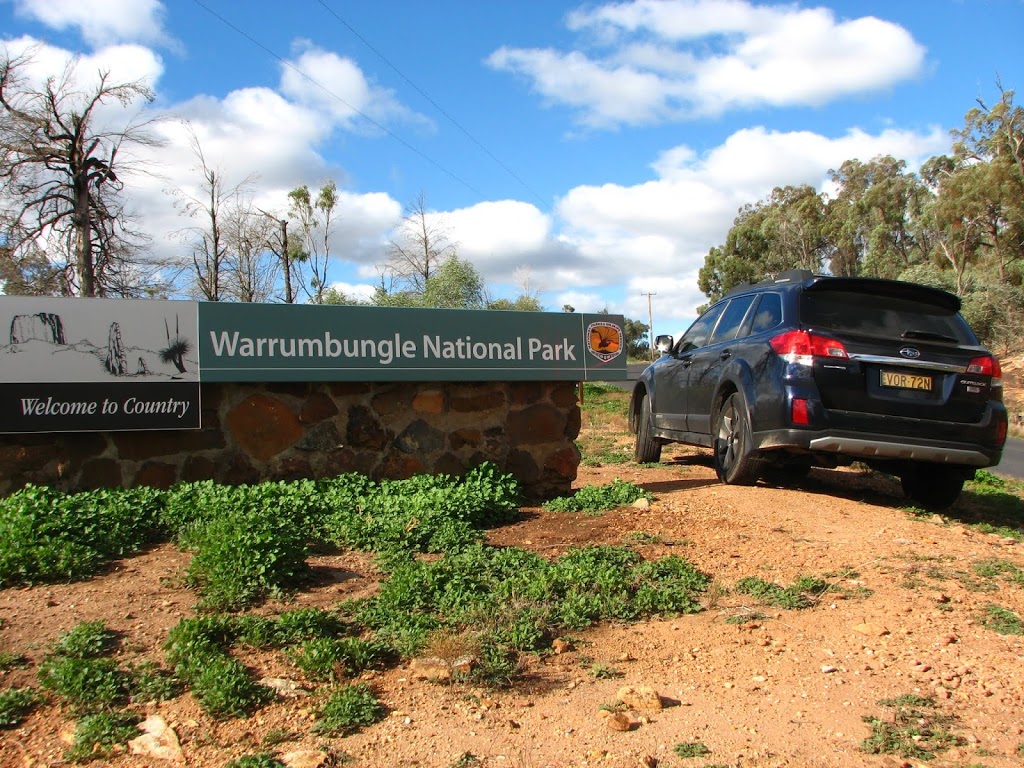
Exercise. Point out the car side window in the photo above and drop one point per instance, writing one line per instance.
(697, 335)
(732, 319)
(768, 313)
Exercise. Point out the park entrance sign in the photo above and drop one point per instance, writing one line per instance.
(113, 364)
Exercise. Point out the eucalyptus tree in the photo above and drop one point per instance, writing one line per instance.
(62, 170)
(784, 231)
(317, 218)
(875, 221)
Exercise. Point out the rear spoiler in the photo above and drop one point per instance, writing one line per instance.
(894, 288)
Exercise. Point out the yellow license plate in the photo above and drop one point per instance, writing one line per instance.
(906, 380)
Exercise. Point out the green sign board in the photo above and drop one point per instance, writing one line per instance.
(278, 342)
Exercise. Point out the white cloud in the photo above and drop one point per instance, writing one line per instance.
(101, 22)
(658, 60)
(335, 86)
(661, 230)
(360, 291)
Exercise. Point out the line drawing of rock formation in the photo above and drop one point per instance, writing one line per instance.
(115, 361)
(44, 326)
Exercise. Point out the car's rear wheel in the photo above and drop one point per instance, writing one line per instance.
(648, 449)
(734, 462)
(932, 486)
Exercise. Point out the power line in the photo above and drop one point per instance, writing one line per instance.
(436, 106)
(338, 98)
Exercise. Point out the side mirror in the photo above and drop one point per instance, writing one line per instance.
(663, 344)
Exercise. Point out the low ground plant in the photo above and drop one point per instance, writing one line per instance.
(914, 728)
(1002, 620)
(691, 749)
(803, 593)
(49, 536)
(348, 710)
(98, 736)
(597, 498)
(15, 705)
(262, 760)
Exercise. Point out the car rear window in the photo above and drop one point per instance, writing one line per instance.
(883, 316)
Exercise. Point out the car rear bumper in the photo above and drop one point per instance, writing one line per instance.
(867, 446)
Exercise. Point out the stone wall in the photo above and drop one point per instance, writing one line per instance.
(254, 432)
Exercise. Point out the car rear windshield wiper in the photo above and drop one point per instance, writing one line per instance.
(928, 336)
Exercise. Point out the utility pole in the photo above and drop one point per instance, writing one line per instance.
(650, 323)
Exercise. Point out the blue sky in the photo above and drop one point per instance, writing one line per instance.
(598, 148)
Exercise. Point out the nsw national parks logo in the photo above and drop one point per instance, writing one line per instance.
(604, 340)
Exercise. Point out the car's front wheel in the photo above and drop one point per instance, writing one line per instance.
(734, 462)
(648, 449)
(933, 486)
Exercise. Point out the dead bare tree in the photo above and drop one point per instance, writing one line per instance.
(208, 243)
(421, 247)
(61, 174)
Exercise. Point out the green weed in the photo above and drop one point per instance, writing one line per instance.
(86, 640)
(88, 685)
(15, 705)
(331, 659)
(11, 660)
(1002, 620)
(591, 498)
(97, 736)
(49, 536)
(914, 730)
(691, 749)
(148, 682)
(604, 672)
(993, 569)
(348, 710)
(255, 761)
(803, 593)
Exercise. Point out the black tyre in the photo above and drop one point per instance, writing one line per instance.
(648, 449)
(932, 486)
(734, 462)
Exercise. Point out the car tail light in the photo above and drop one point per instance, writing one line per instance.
(799, 411)
(803, 347)
(1001, 433)
(987, 365)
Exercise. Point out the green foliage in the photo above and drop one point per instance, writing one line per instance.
(1002, 620)
(992, 569)
(348, 710)
(48, 536)
(151, 683)
(803, 593)
(249, 542)
(11, 660)
(426, 513)
(915, 729)
(517, 600)
(97, 736)
(86, 640)
(87, 685)
(690, 749)
(15, 705)
(255, 761)
(225, 689)
(591, 498)
(332, 659)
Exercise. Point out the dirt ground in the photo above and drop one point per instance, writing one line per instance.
(757, 686)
